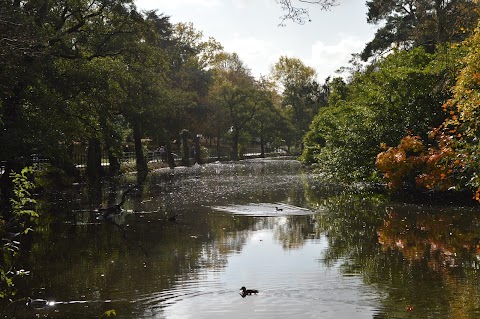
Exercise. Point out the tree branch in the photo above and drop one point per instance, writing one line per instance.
(301, 15)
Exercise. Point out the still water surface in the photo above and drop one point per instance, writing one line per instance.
(312, 250)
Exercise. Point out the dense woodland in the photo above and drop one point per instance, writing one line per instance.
(408, 116)
(101, 75)
(97, 75)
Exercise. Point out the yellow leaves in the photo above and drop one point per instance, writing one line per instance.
(412, 144)
(476, 77)
(399, 157)
(477, 195)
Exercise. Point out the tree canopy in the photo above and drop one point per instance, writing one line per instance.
(97, 76)
(447, 159)
(408, 117)
(302, 95)
(426, 23)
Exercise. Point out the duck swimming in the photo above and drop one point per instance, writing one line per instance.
(245, 292)
(39, 303)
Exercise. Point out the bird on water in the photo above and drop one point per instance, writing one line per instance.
(39, 303)
(245, 292)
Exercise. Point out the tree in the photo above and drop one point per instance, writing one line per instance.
(146, 82)
(44, 44)
(267, 126)
(236, 91)
(398, 95)
(192, 81)
(449, 162)
(301, 94)
(314, 140)
(425, 23)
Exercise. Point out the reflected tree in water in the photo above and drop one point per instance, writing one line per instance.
(422, 259)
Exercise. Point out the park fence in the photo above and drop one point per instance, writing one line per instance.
(208, 155)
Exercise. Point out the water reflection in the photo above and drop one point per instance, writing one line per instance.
(343, 254)
(443, 246)
(423, 260)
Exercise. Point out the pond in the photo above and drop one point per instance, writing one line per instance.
(186, 242)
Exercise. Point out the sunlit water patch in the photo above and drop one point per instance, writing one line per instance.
(264, 209)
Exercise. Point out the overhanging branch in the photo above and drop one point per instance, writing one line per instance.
(298, 14)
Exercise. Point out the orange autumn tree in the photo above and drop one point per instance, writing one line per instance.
(412, 165)
(451, 161)
(400, 164)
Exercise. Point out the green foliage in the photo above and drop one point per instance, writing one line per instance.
(109, 313)
(425, 23)
(22, 200)
(301, 96)
(55, 81)
(400, 94)
(452, 161)
(50, 178)
(237, 94)
(13, 225)
(76, 72)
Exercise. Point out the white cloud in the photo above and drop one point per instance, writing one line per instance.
(259, 55)
(254, 52)
(327, 58)
(242, 3)
(249, 28)
(174, 4)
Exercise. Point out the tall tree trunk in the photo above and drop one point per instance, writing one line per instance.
(262, 146)
(94, 160)
(141, 162)
(114, 163)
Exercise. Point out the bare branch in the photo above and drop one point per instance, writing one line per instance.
(301, 15)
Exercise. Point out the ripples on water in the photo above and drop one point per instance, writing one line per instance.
(312, 250)
(291, 283)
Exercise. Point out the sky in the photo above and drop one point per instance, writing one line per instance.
(251, 29)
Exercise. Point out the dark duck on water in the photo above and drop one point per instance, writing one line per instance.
(245, 292)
